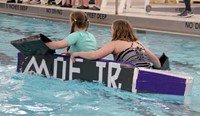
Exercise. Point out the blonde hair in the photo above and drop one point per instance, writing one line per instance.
(79, 19)
(122, 30)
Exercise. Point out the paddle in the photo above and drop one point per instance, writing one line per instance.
(33, 45)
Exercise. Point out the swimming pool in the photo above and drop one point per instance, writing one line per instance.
(22, 94)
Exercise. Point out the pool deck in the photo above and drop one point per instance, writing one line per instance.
(162, 18)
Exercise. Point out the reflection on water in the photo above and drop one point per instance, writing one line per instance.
(185, 64)
(16, 31)
(5, 59)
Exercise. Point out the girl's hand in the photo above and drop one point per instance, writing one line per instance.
(65, 53)
(72, 57)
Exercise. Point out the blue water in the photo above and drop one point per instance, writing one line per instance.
(22, 94)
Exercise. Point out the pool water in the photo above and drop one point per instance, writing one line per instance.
(23, 94)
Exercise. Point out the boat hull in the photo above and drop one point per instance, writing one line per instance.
(112, 74)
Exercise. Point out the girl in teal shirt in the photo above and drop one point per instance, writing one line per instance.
(79, 39)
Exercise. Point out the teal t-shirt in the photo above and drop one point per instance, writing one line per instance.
(81, 41)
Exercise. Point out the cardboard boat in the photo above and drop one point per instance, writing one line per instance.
(36, 58)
